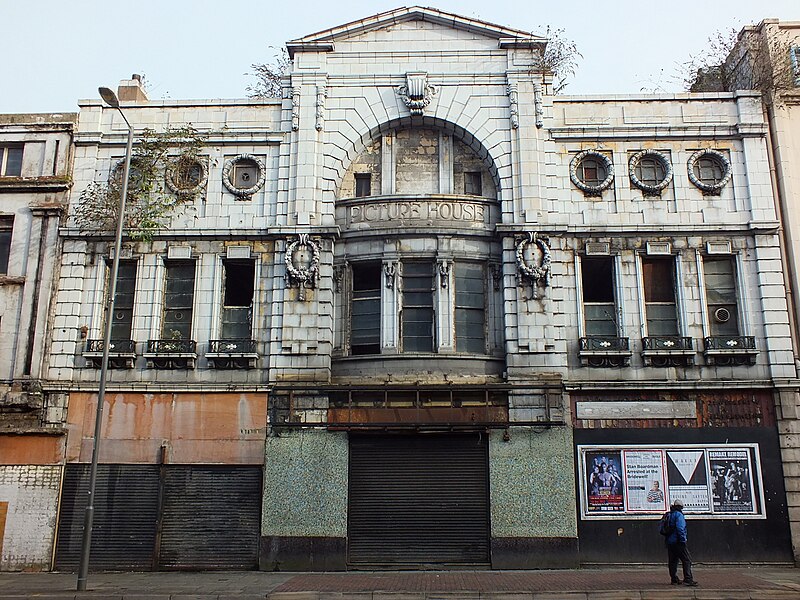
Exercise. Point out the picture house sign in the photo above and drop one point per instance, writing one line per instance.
(452, 212)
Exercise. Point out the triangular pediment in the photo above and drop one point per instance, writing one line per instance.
(324, 40)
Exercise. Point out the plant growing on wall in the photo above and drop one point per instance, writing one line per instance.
(150, 204)
(560, 58)
(269, 76)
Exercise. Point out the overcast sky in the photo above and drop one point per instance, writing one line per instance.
(55, 52)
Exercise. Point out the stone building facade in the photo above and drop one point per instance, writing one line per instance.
(424, 312)
(35, 163)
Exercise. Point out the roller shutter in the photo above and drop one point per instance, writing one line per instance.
(125, 517)
(418, 500)
(211, 517)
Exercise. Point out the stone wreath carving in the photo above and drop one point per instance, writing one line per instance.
(417, 92)
(302, 270)
(227, 170)
(531, 273)
(176, 180)
(716, 155)
(648, 189)
(591, 190)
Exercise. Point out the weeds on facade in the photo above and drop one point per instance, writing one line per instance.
(152, 202)
(269, 76)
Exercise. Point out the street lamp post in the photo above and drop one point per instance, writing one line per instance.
(110, 98)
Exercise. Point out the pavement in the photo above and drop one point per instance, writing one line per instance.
(619, 583)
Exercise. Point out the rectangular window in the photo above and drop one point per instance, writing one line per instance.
(659, 296)
(472, 183)
(6, 227)
(365, 312)
(10, 161)
(720, 280)
(599, 305)
(237, 302)
(417, 321)
(178, 301)
(470, 308)
(794, 55)
(123, 300)
(363, 185)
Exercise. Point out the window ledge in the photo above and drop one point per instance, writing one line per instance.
(44, 184)
(9, 280)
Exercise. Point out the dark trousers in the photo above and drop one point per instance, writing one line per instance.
(680, 552)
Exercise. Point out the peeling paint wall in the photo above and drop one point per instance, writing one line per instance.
(31, 494)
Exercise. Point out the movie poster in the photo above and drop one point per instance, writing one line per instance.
(644, 481)
(731, 477)
(604, 488)
(688, 480)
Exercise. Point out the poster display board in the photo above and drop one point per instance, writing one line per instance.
(721, 481)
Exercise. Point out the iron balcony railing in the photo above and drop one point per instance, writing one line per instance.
(239, 346)
(599, 343)
(115, 347)
(667, 343)
(171, 346)
(730, 342)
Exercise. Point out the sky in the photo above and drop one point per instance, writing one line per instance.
(55, 52)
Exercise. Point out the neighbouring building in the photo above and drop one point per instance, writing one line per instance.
(35, 163)
(424, 312)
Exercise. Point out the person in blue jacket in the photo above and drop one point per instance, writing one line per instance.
(677, 546)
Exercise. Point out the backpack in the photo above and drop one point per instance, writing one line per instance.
(665, 526)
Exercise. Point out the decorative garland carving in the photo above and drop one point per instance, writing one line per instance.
(653, 190)
(322, 93)
(591, 190)
(417, 92)
(513, 98)
(710, 188)
(535, 275)
(537, 105)
(497, 277)
(295, 108)
(338, 274)
(444, 273)
(227, 169)
(176, 185)
(302, 276)
(389, 271)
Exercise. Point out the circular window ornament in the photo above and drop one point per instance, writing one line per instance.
(709, 170)
(591, 171)
(243, 175)
(135, 176)
(186, 176)
(650, 171)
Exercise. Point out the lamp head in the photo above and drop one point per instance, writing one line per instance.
(109, 97)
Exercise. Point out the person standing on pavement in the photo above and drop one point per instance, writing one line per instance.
(677, 547)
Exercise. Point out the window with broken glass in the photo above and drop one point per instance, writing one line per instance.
(418, 313)
(365, 309)
(237, 301)
(178, 300)
(720, 283)
(659, 296)
(470, 281)
(122, 323)
(599, 304)
(6, 228)
(11, 160)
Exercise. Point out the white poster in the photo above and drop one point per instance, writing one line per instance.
(688, 480)
(644, 481)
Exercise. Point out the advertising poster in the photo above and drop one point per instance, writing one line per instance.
(644, 481)
(604, 488)
(731, 476)
(688, 480)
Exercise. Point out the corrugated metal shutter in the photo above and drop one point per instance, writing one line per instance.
(125, 514)
(211, 517)
(418, 500)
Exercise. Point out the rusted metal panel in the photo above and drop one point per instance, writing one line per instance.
(223, 428)
(32, 449)
(418, 500)
(470, 414)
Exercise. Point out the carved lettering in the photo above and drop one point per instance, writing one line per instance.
(419, 211)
